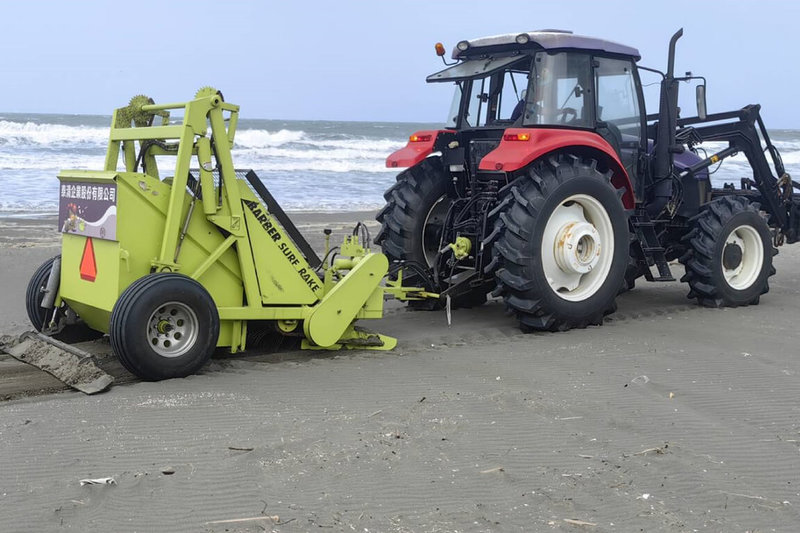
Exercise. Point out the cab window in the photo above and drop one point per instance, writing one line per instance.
(617, 100)
(559, 91)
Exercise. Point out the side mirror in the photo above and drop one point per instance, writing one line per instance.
(700, 93)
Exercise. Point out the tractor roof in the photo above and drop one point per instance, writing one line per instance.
(539, 40)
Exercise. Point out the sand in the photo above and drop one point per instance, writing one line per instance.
(669, 417)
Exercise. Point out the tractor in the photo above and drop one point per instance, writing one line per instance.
(551, 187)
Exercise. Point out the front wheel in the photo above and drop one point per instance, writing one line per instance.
(563, 246)
(729, 254)
(164, 326)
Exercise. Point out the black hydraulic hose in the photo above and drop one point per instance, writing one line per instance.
(417, 269)
(322, 263)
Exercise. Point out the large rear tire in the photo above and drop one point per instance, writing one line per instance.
(412, 224)
(563, 246)
(729, 254)
(164, 326)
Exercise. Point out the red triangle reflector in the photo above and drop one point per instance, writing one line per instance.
(88, 264)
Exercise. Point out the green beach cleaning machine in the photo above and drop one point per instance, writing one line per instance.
(172, 268)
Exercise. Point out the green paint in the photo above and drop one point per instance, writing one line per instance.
(229, 242)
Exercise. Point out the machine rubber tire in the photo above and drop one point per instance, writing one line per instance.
(405, 218)
(164, 325)
(37, 314)
(559, 198)
(722, 226)
(34, 295)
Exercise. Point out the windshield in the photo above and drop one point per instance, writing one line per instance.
(495, 99)
(559, 91)
(455, 105)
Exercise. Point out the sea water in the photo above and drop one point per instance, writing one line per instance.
(307, 165)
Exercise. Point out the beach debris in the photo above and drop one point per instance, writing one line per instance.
(645, 496)
(491, 470)
(376, 413)
(272, 518)
(576, 522)
(658, 451)
(241, 448)
(671, 395)
(167, 470)
(641, 379)
(98, 481)
(67, 363)
(758, 500)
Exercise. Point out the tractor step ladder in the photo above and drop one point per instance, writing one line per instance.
(651, 251)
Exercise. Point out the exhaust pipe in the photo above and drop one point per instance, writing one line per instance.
(667, 123)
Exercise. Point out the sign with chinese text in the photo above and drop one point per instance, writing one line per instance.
(88, 209)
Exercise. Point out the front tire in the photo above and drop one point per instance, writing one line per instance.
(563, 246)
(164, 326)
(729, 254)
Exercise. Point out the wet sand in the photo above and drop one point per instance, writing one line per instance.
(669, 417)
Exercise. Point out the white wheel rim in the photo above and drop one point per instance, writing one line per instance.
(172, 329)
(742, 275)
(577, 248)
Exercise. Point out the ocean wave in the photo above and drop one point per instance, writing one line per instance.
(385, 146)
(345, 163)
(50, 162)
(61, 137)
(288, 162)
(266, 139)
(317, 166)
(305, 154)
(29, 133)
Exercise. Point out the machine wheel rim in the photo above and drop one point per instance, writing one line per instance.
(172, 329)
(434, 218)
(577, 247)
(743, 275)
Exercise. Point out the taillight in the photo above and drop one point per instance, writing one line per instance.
(517, 137)
(420, 138)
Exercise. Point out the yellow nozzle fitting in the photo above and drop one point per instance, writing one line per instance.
(461, 247)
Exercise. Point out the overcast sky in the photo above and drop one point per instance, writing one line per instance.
(367, 61)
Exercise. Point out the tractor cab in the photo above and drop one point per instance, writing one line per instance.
(547, 79)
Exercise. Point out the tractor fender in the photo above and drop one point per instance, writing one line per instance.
(420, 145)
(521, 146)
